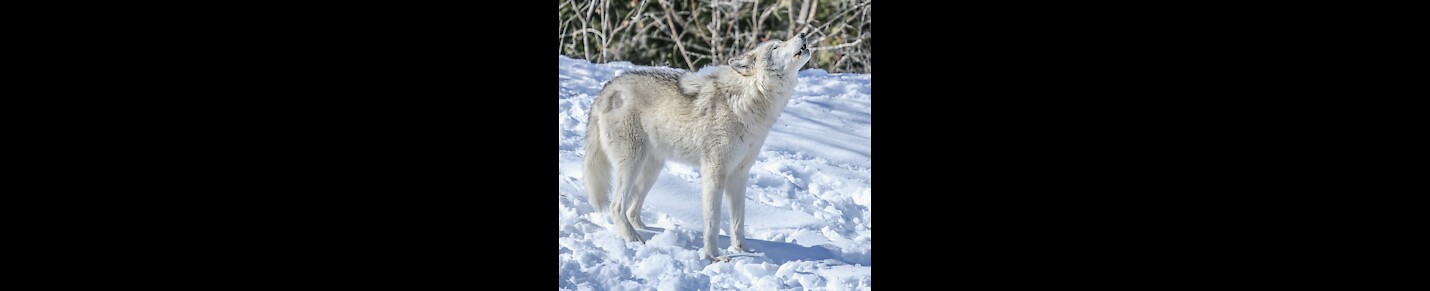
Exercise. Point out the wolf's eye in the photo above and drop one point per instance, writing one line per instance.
(773, 47)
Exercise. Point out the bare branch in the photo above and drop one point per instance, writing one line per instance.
(813, 10)
(841, 14)
(632, 17)
(682, 21)
(856, 42)
(708, 31)
(605, 27)
(764, 16)
(671, 31)
(804, 13)
(755, 16)
(700, 56)
(591, 31)
(714, 28)
(790, 11)
(629, 20)
(585, 21)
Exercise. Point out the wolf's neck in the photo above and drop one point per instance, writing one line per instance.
(763, 103)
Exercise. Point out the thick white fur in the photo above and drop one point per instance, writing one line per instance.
(716, 118)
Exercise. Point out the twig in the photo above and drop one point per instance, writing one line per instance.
(790, 30)
(755, 16)
(631, 17)
(629, 20)
(585, 22)
(590, 30)
(671, 30)
(605, 27)
(766, 15)
(714, 28)
(842, 14)
(804, 13)
(700, 33)
(856, 42)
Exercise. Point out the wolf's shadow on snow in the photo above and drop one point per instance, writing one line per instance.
(778, 252)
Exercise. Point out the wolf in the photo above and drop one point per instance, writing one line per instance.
(716, 118)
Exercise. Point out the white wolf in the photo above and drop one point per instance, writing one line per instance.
(716, 118)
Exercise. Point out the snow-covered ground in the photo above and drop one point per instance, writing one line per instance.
(809, 214)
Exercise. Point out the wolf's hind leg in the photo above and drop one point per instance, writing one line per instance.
(627, 171)
(650, 170)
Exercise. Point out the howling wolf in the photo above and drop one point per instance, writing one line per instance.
(716, 118)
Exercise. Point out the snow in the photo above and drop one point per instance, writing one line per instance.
(808, 215)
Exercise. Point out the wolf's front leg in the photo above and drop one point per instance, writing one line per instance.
(713, 178)
(735, 191)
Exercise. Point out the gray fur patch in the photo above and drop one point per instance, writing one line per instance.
(614, 101)
(664, 75)
(670, 77)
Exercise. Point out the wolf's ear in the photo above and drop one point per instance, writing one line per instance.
(743, 64)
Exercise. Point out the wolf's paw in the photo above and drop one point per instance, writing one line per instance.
(633, 238)
(636, 222)
(630, 235)
(711, 254)
(739, 248)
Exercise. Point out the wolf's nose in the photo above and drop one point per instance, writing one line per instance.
(801, 35)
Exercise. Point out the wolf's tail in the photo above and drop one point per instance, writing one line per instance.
(598, 169)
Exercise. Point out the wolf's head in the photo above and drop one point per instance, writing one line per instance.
(774, 57)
